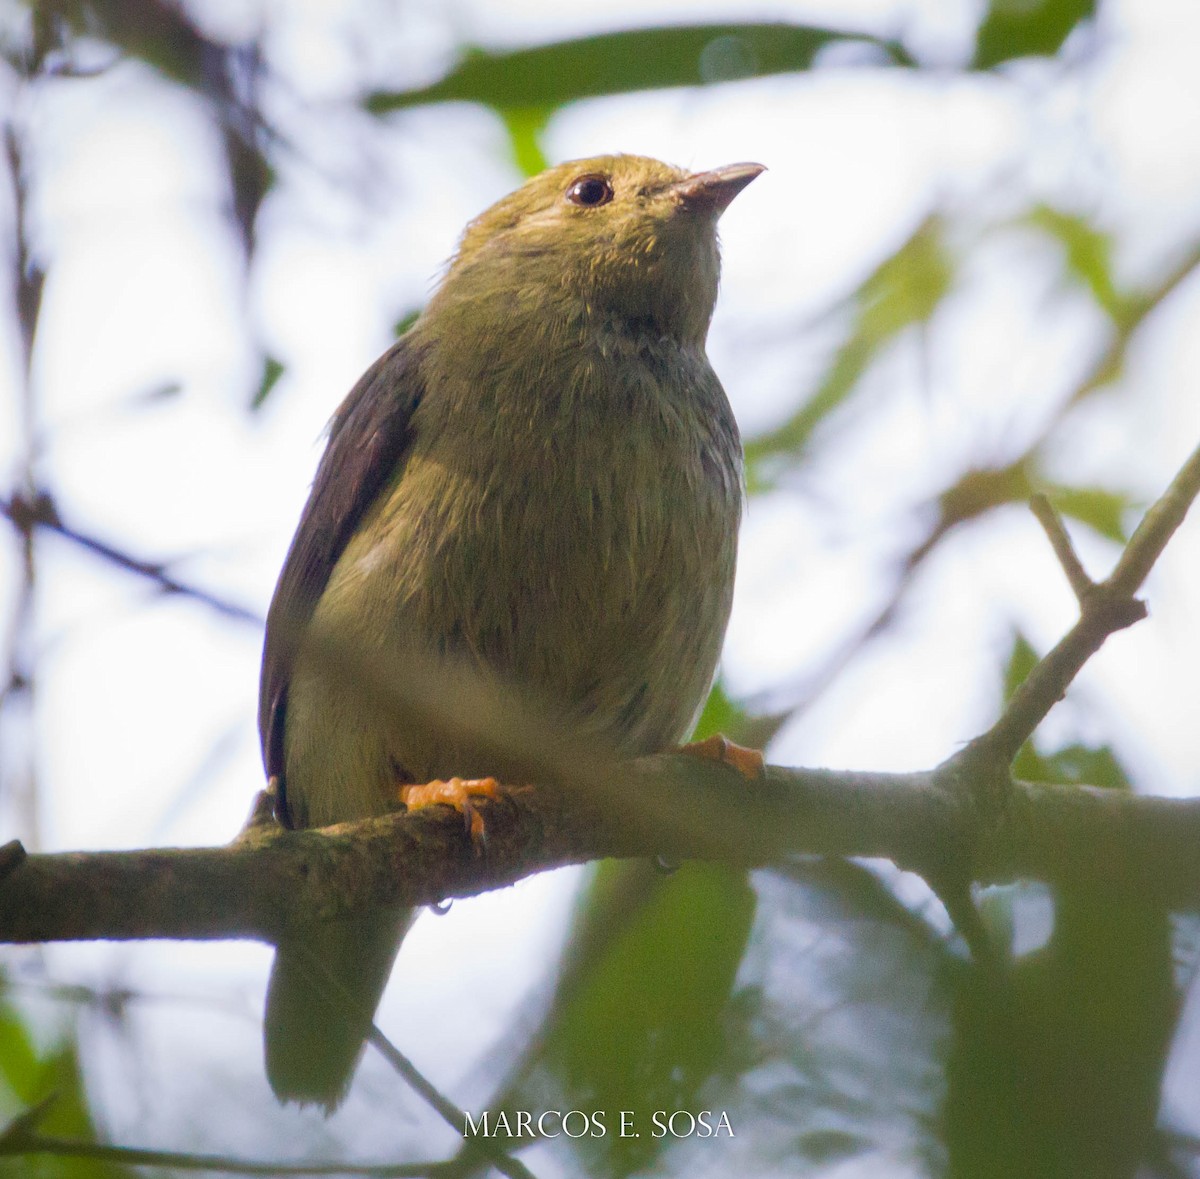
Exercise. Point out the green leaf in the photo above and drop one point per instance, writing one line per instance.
(725, 716)
(902, 292)
(1027, 28)
(1064, 1076)
(18, 1060)
(69, 1117)
(32, 1078)
(1088, 255)
(720, 715)
(1077, 763)
(272, 370)
(1070, 1066)
(1021, 661)
(983, 488)
(1100, 508)
(1028, 764)
(161, 35)
(547, 76)
(251, 177)
(639, 1023)
(405, 322)
(525, 126)
(1082, 765)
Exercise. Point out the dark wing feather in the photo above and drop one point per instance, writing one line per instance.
(369, 436)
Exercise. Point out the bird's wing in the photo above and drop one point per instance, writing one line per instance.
(369, 436)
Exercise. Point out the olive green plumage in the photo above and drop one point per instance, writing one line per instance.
(541, 480)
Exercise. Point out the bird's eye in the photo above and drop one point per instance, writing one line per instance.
(590, 191)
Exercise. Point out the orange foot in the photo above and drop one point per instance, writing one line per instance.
(748, 762)
(458, 793)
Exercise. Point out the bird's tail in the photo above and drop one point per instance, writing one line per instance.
(325, 986)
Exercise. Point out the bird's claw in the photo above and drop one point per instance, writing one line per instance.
(459, 793)
(748, 762)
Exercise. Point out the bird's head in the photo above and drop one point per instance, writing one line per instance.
(620, 239)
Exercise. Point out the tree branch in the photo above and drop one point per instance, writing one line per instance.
(1081, 584)
(26, 512)
(273, 880)
(1105, 608)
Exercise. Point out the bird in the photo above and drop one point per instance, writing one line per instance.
(540, 480)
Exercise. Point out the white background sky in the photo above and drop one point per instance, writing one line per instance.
(145, 715)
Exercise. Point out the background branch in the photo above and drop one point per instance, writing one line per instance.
(38, 511)
(1105, 608)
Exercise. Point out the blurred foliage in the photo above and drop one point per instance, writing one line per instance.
(663, 998)
(1027, 28)
(1102, 509)
(28, 1078)
(1094, 765)
(1088, 255)
(980, 490)
(638, 1020)
(163, 36)
(547, 76)
(1059, 1074)
(272, 370)
(524, 125)
(903, 292)
(722, 714)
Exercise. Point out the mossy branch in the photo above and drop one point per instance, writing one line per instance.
(270, 880)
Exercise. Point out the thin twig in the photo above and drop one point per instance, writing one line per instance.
(1137, 309)
(17, 691)
(29, 1144)
(1107, 607)
(333, 991)
(20, 1138)
(39, 512)
(1156, 529)
(1081, 584)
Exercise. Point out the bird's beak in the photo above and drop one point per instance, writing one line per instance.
(713, 190)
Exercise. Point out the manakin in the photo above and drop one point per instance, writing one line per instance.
(540, 480)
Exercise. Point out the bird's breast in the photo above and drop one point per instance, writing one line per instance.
(575, 539)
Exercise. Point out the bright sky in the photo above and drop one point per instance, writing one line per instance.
(145, 720)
